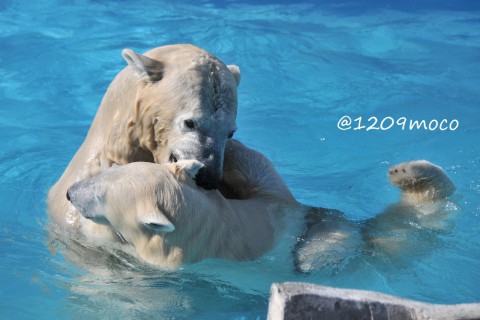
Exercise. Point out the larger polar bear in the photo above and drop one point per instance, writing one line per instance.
(173, 103)
(170, 221)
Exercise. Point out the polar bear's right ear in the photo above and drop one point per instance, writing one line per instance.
(144, 66)
(190, 167)
(235, 70)
(157, 223)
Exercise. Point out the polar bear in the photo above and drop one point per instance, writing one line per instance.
(172, 103)
(332, 240)
(421, 182)
(420, 214)
(171, 221)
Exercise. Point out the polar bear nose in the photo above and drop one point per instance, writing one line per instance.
(393, 171)
(206, 179)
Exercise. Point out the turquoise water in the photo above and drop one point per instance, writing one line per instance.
(304, 66)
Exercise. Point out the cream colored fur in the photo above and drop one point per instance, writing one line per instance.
(421, 212)
(421, 182)
(141, 118)
(171, 221)
(332, 240)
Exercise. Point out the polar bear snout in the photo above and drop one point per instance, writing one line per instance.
(392, 171)
(75, 194)
(398, 175)
(207, 179)
(86, 198)
(395, 170)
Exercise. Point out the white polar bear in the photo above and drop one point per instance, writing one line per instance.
(170, 221)
(411, 225)
(332, 240)
(173, 103)
(421, 182)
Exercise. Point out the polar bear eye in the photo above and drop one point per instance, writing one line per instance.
(190, 124)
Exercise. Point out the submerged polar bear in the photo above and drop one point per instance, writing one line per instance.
(332, 239)
(422, 183)
(173, 103)
(420, 214)
(171, 221)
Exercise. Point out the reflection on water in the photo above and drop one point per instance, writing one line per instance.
(112, 282)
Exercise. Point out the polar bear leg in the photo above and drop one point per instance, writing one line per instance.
(248, 173)
(330, 240)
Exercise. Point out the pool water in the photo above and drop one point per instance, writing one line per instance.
(304, 67)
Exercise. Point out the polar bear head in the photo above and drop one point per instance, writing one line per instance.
(186, 107)
(421, 178)
(138, 200)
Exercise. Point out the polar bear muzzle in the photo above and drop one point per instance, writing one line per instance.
(86, 197)
(207, 180)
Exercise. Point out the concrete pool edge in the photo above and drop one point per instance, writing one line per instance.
(296, 300)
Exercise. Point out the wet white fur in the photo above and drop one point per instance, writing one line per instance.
(170, 221)
(333, 240)
(141, 118)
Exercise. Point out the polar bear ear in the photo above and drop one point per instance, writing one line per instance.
(235, 70)
(190, 167)
(143, 65)
(157, 223)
